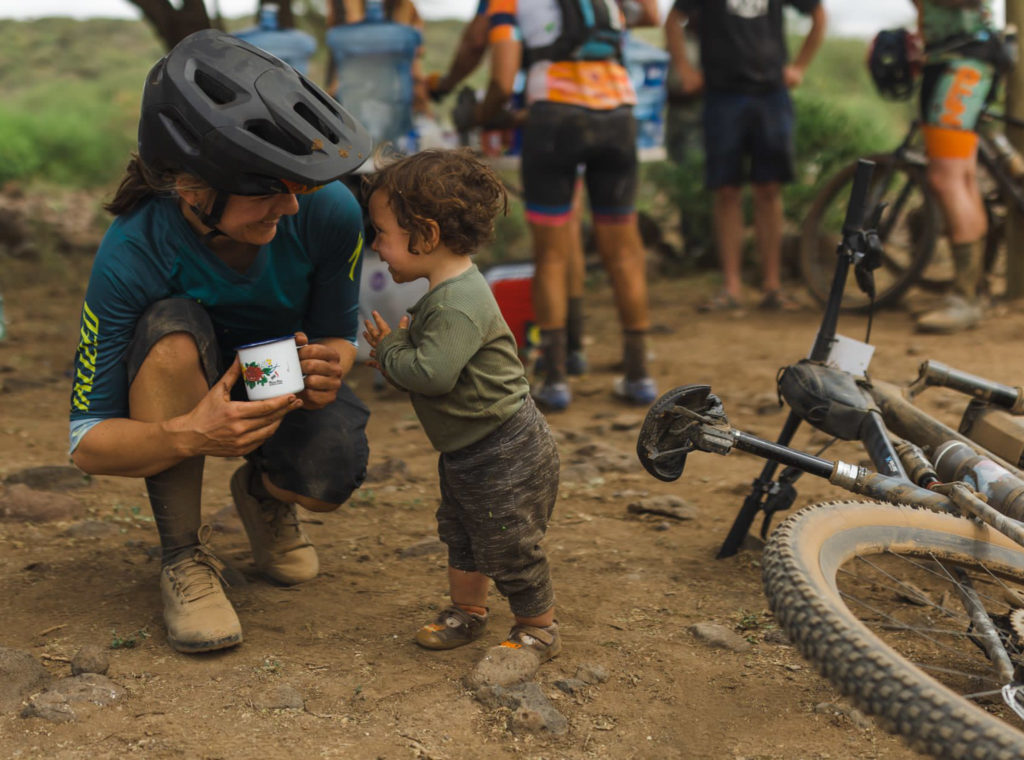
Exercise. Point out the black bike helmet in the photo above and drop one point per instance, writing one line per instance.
(244, 121)
(889, 64)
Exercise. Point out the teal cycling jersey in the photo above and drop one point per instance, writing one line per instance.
(944, 20)
(306, 278)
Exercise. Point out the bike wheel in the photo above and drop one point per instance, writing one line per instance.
(908, 229)
(869, 593)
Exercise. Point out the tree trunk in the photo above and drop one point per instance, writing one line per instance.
(172, 24)
(1015, 108)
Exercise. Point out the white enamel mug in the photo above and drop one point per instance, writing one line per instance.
(271, 368)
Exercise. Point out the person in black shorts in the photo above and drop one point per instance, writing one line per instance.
(748, 123)
(579, 113)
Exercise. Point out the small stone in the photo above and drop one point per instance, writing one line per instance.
(88, 687)
(580, 473)
(591, 673)
(49, 706)
(50, 478)
(91, 658)
(776, 636)
(504, 666)
(570, 686)
(529, 720)
(24, 504)
(20, 675)
(56, 703)
(667, 506)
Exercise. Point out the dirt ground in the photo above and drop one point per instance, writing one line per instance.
(629, 587)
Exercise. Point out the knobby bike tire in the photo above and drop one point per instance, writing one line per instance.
(804, 565)
(908, 245)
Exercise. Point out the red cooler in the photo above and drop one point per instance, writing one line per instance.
(512, 285)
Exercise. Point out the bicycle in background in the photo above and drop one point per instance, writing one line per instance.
(909, 598)
(911, 227)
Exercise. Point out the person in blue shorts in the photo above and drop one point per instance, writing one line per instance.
(748, 124)
(230, 229)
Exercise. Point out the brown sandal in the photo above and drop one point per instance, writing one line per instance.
(453, 627)
(721, 301)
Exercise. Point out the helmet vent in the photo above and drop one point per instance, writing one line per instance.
(329, 103)
(308, 114)
(180, 132)
(215, 90)
(271, 133)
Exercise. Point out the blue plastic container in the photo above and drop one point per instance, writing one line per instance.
(648, 71)
(293, 46)
(374, 60)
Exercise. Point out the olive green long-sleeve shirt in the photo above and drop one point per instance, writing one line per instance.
(458, 361)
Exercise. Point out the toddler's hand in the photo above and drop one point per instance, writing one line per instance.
(375, 330)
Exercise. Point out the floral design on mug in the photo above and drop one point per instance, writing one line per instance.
(254, 373)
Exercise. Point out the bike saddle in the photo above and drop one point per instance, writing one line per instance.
(669, 430)
(827, 398)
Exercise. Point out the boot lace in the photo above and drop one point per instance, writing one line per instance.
(200, 573)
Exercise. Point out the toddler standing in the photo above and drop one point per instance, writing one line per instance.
(458, 361)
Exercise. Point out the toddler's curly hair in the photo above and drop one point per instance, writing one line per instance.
(453, 188)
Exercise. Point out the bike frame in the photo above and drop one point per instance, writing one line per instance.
(859, 249)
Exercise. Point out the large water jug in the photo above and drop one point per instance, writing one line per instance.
(374, 59)
(648, 71)
(378, 292)
(293, 46)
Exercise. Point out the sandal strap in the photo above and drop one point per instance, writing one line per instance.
(544, 635)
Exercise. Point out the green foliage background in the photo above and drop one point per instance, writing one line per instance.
(69, 98)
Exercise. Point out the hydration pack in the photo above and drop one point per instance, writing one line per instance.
(591, 31)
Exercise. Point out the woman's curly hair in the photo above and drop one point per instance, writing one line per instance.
(452, 188)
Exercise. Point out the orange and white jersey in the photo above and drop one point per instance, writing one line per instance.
(598, 85)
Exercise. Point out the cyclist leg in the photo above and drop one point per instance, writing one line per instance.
(576, 362)
(551, 149)
(725, 149)
(771, 166)
(953, 95)
(611, 178)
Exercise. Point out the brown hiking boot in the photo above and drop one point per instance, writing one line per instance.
(452, 628)
(198, 615)
(280, 547)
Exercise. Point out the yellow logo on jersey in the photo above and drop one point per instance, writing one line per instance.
(85, 359)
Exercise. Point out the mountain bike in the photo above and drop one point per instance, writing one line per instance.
(910, 598)
(912, 227)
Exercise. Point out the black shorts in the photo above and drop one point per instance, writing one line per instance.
(748, 137)
(319, 453)
(557, 139)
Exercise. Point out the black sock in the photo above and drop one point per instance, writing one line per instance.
(552, 346)
(176, 498)
(574, 325)
(634, 353)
